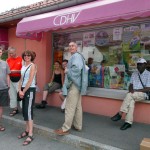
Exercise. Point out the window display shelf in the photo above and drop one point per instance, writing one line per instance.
(107, 93)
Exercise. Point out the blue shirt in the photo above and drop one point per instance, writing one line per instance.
(74, 75)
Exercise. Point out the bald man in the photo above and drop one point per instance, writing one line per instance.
(15, 64)
(73, 88)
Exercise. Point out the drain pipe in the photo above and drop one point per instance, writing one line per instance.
(62, 5)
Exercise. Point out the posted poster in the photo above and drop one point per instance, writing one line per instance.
(145, 27)
(88, 39)
(117, 34)
(96, 76)
(133, 57)
(145, 34)
(114, 77)
(127, 37)
(131, 29)
(79, 45)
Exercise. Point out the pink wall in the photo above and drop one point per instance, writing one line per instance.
(107, 107)
(95, 105)
(43, 58)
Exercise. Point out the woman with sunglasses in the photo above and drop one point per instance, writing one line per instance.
(27, 94)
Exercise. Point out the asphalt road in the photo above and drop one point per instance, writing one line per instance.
(9, 141)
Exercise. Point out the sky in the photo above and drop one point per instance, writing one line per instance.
(7, 5)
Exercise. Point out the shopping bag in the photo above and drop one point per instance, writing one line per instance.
(63, 104)
(37, 88)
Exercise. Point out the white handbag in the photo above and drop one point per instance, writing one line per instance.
(63, 104)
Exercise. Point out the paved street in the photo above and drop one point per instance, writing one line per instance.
(98, 132)
(9, 141)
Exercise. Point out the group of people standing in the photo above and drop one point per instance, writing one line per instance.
(18, 75)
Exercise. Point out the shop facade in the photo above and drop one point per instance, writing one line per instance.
(111, 42)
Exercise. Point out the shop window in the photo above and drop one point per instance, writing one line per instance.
(111, 53)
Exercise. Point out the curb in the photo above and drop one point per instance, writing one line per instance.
(69, 139)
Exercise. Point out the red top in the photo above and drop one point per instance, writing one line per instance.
(15, 64)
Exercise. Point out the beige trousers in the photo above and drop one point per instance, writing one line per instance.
(73, 109)
(129, 103)
(13, 94)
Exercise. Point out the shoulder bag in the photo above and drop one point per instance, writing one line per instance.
(148, 92)
(18, 97)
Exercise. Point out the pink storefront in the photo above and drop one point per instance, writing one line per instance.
(114, 34)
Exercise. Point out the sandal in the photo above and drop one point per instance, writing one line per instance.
(14, 112)
(28, 140)
(2, 129)
(23, 134)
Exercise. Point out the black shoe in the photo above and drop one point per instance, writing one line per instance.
(42, 105)
(116, 117)
(74, 128)
(125, 126)
(63, 110)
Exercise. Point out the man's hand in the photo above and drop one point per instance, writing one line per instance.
(66, 70)
(131, 91)
(131, 88)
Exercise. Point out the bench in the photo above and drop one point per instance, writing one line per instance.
(107, 102)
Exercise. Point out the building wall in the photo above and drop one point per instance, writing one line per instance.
(43, 55)
(107, 107)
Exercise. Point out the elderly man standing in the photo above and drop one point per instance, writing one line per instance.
(75, 85)
(139, 86)
(15, 64)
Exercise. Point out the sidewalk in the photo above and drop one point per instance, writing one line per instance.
(99, 132)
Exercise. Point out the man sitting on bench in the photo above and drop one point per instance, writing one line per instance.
(139, 85)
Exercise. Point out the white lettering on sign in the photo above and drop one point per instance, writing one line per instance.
(66, 18)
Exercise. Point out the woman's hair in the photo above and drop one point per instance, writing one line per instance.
(28, 52)
(90, 60)
(34, 54)
(65, 60)
(57, 62)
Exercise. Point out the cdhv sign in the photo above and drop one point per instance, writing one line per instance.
(65, 19)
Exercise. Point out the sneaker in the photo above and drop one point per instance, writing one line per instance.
(116, 117)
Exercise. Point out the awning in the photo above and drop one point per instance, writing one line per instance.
(90, 13)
